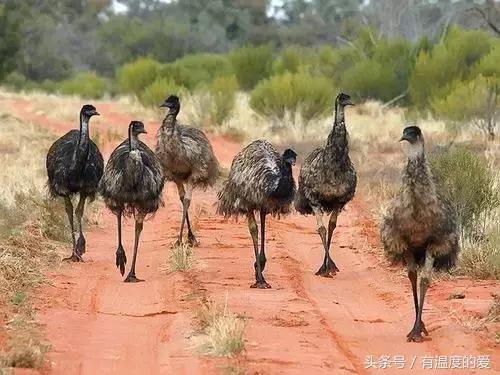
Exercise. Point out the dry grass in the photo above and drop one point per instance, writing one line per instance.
(181, 258)
(222, 332)
(32, 238)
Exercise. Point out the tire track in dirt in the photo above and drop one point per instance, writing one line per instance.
(305, 324)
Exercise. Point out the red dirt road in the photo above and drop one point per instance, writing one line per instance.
(305, 324)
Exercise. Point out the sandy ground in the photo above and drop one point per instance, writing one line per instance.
(305, 324)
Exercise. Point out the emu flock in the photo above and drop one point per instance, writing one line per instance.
(419, 228)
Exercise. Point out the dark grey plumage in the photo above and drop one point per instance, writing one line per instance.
(420, 225)
(261, 180)
(75, 165)
(327, 181)
(132, 184)
(187, 158)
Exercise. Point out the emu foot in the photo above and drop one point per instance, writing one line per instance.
(192, 241)
(80, 245)
(415, 334)
(328, 270)
(177, 243)
(261, 285)
(121, 259)
(73, 258)
(131, 278)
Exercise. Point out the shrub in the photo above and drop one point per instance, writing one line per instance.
(223, 93)
(154, 94)
(448, 61)
(15, 81)
(194, 70)
(475, 102)
(134, 77)
(85, 84)
(312, 96)
(251, 64)
(470, 184)
(292, 59)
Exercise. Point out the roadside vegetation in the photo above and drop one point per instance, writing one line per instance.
(32, 236)
(221, 332)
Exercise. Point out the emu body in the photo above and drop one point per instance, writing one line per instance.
(327, 181)
(260, 180)
(187, 159)
(420, 226)
(75, 166)
(132, 185)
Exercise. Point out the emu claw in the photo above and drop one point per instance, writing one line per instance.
(73, 258)
(121, 259)
(261, 285)
(328, 271)
(132, 279)
(192, 241)
(415, 334)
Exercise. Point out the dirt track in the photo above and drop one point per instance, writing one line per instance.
(305, 324)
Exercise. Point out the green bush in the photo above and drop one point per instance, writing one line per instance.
(85, 84)
(312, 96)
(251, 64)
(451, 60)
(154, 94)
(473, 102)
(470, 184)
(194, 70)
(369, 79)
(134, 77)
(292, 59)
(15, 81)
(223, 94)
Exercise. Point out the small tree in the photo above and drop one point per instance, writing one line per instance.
(251, 64)
(473, 102)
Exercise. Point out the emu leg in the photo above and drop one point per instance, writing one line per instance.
(139, 220)
(69, 211)
(328, 268)
(121, 258)
(332, 224)
(262, 255)
(419, 327)
(260, 282)
(185, 195)
(80, 243)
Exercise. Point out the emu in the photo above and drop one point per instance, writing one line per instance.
(327, 181)
(188, 160)
(75, 165)
(260, 180)
(132, 185)
(420, 225)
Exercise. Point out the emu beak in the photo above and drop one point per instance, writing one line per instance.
(350, 103)
(403, 138)
(164, 105)
(96, 113)
(144, 132)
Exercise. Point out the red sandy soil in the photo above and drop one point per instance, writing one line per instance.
(305, 324)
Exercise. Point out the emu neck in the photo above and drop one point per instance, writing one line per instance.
(417, 175)
(337, 143)
(82, 148)
(285, 184)
(170, 119)
(133, 140)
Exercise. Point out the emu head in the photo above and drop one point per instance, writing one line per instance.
(88, 110)
(136, 128)
(413, 135)
(172, 103)
(343, 100)
(290, 156)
